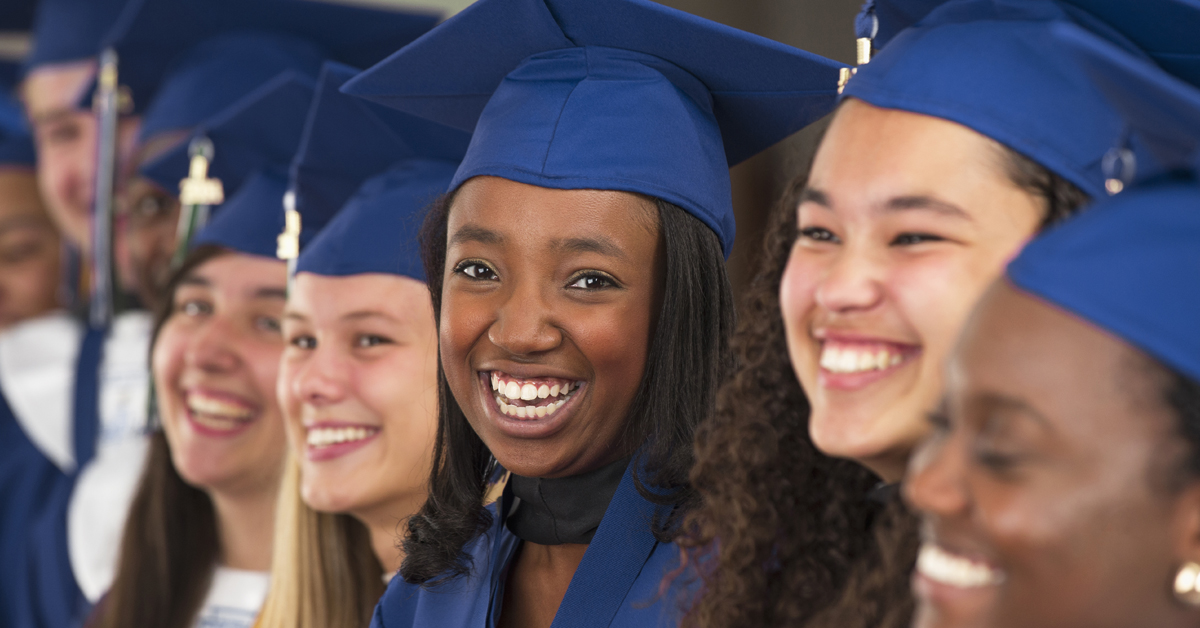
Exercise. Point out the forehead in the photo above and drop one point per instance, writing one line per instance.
(324, 297)
(537, 216)
(241, 276)
(1086, 382)
(870, 150)
(56, 88)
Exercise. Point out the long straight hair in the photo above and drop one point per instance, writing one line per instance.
(324, 572)
(689, 357)
(170, 545)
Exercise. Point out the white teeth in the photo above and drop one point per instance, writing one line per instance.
(554, 390)
(495, 381)
(323, 436)
(543, 391)
(941, 566)
(528, 392)
(217, 409)
(512, 390)
(848, 360)
(528, 412)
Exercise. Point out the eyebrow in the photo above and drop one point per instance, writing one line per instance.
(475, 233)
(1019, 406)
(599, 245)
(270, 293)
(362, 314)
(895, 204)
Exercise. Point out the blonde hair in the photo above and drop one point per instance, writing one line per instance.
(324, 572)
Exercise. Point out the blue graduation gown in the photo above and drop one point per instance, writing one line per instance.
(37, 584)
(619, 583)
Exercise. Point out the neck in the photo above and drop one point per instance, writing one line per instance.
(245, 527)
(387, 527)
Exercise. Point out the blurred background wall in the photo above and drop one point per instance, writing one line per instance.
(825, 27)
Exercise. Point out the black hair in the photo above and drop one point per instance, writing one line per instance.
(1182, 395)
(688, 359)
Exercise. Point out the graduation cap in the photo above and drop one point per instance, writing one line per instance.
(995, 67)
(1160, 108)
(880, 20)
(70, 30)
(1127, 266)
(16, 144)
(151, 35)
(376, 170)
(254, 141)
(17, 15)
(1167, 30)
(606, 94)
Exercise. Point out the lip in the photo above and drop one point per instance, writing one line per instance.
(944, 594)
(321, 453)
(236, 428)
(536, 428)
(850, 382)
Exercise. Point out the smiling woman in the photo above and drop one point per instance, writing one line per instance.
(577, 274)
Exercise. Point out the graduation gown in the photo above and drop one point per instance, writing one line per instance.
(619, 583)
(37, 585)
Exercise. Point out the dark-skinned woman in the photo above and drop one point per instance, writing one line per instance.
(1060, 486)
(577, 271)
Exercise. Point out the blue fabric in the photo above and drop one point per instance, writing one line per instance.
(1161, 109)
(377, 170)
(995, 66)
(611, 94)
(253, 143)
(1166, 29)
(16, 143)
(70, 30)
(221, 71)
(37, 584)
(151, 35)
(17, 15)
(618, 584)
(881, 20)
(1129, 266)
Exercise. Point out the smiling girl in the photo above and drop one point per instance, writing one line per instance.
(577, 274)
(960, 140)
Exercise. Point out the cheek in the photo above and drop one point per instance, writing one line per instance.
(464, 321)
(264, 358)
(797, 299)
(935, 294)
(166, 364)
(289, 402)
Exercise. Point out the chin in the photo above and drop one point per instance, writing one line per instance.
(874, 438)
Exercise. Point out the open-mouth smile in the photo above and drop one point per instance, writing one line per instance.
(531, 406)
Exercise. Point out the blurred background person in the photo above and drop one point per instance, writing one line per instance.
(358, 381)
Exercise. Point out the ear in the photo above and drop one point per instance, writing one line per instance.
(1185, 524)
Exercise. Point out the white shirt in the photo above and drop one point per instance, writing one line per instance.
(234, 600)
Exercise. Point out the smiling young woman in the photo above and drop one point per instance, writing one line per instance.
(577, 273)
(938, 166)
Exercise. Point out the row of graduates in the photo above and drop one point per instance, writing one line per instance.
(503, 332)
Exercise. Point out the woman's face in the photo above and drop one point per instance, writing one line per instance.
(215, 363)
(358, 385)
(905, 221)
(548, 308)
(1049, 489)
(30, 250)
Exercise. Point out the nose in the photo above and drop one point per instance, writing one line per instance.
(523, 326)
(853, 282)
(211, 347)
(320, 378)
(936, 482)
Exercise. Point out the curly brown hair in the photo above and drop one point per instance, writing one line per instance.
(785, 535)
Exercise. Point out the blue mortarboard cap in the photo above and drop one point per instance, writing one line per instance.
(70, 30)
(152, 34)
(1167, 30)
(377, 230)
(606, 94)
(1161, 109)
(253, 143)
(219, 72)
(16, 145)
(1129, 265)
(17, 15)
(881, 20)
(995, 67)
(387, 164)
(348, 140)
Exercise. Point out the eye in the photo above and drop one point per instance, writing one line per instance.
(939, 421)
(476, 269)
(149, 207)
(268, 324)
(304, 342)
(62, 133)
(998, 462)
(910, 239)
(195, 307)
(818, 234)
(371, 340)
(592, 280)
